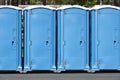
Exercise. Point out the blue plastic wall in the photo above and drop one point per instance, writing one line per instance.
(73, 39)
(40, 40)
(105, 39)
(10, 39)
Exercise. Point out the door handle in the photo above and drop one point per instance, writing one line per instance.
(13, 43)
(81, 43)
(47, 42)
(115, 42)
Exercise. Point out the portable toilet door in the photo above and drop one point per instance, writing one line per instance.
(105, 38)
(73, 39)
(10, 38)
(40, 41)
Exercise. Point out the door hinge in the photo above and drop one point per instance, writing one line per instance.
(98, 11)
(30, 42)
(30, 62)
(63, 42)
(65, 62)
(64, 12)
(98, 62)
(30, 12)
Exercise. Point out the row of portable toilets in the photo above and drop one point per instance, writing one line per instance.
(66, 38)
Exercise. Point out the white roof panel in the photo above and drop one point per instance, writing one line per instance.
(11, 7)
(70, 6)
(103, 6)
(37, 6)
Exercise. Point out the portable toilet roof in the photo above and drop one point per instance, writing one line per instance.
(13, 7)
(104, 6)
(74, 6)
(32, 7)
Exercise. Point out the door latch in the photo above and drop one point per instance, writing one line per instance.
(12, 43)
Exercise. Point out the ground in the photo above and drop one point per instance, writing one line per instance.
(61, 76)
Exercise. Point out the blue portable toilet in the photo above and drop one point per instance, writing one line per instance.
(10, 38)
(40, 38)
(105, 38)
(73, 38)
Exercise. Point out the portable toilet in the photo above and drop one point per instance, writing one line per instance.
(40, 38)
(73, 38)
(105, 38)
(10, 38)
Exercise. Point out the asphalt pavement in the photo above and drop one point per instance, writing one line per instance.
(61, 76)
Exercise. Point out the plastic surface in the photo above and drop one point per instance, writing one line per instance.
(105, 39)
(33, 7)
(10, 39)
(74, 6)
(104, 6)
(73, 39)
(12, 7)
(40, 41)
